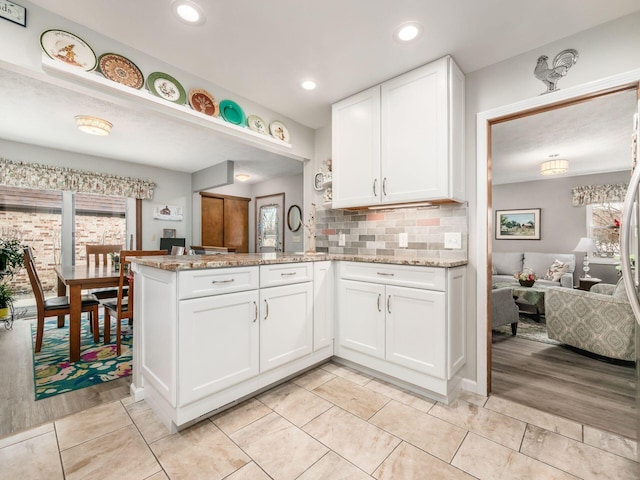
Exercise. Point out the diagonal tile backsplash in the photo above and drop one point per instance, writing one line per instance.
(377, 232)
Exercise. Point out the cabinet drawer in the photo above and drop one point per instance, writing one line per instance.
(429, 278)
(285, 274)
(215, 281)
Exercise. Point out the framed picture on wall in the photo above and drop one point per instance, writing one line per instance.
(518, 224)
(168, 233)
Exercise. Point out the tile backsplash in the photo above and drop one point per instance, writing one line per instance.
(376, 232)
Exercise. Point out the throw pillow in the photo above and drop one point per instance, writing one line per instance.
(494, 270)
(556, 270)
(619, 291)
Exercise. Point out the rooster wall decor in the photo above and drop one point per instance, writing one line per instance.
(561, 65)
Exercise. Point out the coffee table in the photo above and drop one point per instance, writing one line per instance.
(530, 300)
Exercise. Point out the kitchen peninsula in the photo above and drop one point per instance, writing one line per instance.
(212, 330)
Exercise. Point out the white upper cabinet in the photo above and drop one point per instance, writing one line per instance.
(401, 141)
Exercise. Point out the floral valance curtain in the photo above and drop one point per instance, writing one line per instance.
(45, 177)
(590, 194)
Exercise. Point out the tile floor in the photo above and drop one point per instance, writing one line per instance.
(330, 423)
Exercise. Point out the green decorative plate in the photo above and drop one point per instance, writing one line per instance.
(232, 113)
(166, 87)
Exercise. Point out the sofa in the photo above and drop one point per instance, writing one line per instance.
(599, 321)
(505, 264)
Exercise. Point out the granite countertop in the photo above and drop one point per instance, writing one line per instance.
(193, 262)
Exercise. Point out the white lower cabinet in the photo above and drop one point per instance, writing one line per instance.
(362, 317)
(286, 324)
(218, 343)
(323, 304)
(402, 321)
(415, 329)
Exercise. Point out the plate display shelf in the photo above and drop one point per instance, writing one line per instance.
(144, 99)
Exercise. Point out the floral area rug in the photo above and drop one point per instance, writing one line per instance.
(54, 374)
(528, 329)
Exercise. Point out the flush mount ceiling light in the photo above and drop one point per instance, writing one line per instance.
(309, 85)
(242, 177)
(93, 125)
(555, 166)
(188, 12)
(408, 31)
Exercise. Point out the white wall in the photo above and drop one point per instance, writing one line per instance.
(609, 49)
(172, 188)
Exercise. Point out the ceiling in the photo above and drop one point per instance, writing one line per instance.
(593, 136)
(262, 51)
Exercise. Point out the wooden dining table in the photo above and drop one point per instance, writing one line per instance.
(71, 281)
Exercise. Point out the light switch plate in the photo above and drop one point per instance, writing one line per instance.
(341, 240)
(453, 240)
(403, 240)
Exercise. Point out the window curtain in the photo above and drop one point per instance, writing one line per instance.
(590, 194)
(45, 177)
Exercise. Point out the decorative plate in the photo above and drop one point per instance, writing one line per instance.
(279, 131)
(233, 113)
(121, 70)
(203, 102)
(167, 87)
(257, 124)
(68, 48)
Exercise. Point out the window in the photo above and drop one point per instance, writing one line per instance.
(603, 225)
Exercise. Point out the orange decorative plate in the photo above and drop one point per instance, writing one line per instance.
(203, 102)
(121, 70)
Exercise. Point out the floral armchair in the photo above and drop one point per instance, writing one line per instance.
(599, 321)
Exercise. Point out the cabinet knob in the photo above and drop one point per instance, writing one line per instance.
(287, 274)
(266, 309)
(384, 186)
(231, 280)
(389, 304)
(255, 317)
(375, 183)
(379, 296)
(385, 274)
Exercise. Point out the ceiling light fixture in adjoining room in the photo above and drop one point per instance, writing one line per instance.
(555, 166)
(408, 31)
(188, 12)
(93, 125)
(242, 177)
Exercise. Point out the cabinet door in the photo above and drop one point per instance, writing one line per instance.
(414, 142)
(356, 150)
(416, 334)
(361, 318)
(218, 343)
(286, 324)
(322, 304)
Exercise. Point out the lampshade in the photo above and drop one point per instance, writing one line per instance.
(93, 125)
(554, 167)
(586, 245)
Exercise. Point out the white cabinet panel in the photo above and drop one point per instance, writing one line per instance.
(362, 317)
(202, 283)
(285, 274)
(286, 324)
(416, 332)
(217, 343)
(322, 304)
(356, 142)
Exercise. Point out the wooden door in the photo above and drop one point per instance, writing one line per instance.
(213, 221)
(225, 221)
(236, 224)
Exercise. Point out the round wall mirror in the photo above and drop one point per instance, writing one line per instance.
(294, 218)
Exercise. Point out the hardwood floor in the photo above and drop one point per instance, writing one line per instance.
(560, 380)
(18, 409)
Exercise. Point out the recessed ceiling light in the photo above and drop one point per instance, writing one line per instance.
(309, 85)
(93, 125)
(188, 12)
(243, 177)
(407, 31)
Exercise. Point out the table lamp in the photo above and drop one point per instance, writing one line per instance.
(586, 245)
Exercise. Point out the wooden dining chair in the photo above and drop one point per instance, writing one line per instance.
(55, 306)
(99, 253)
(119, 309)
